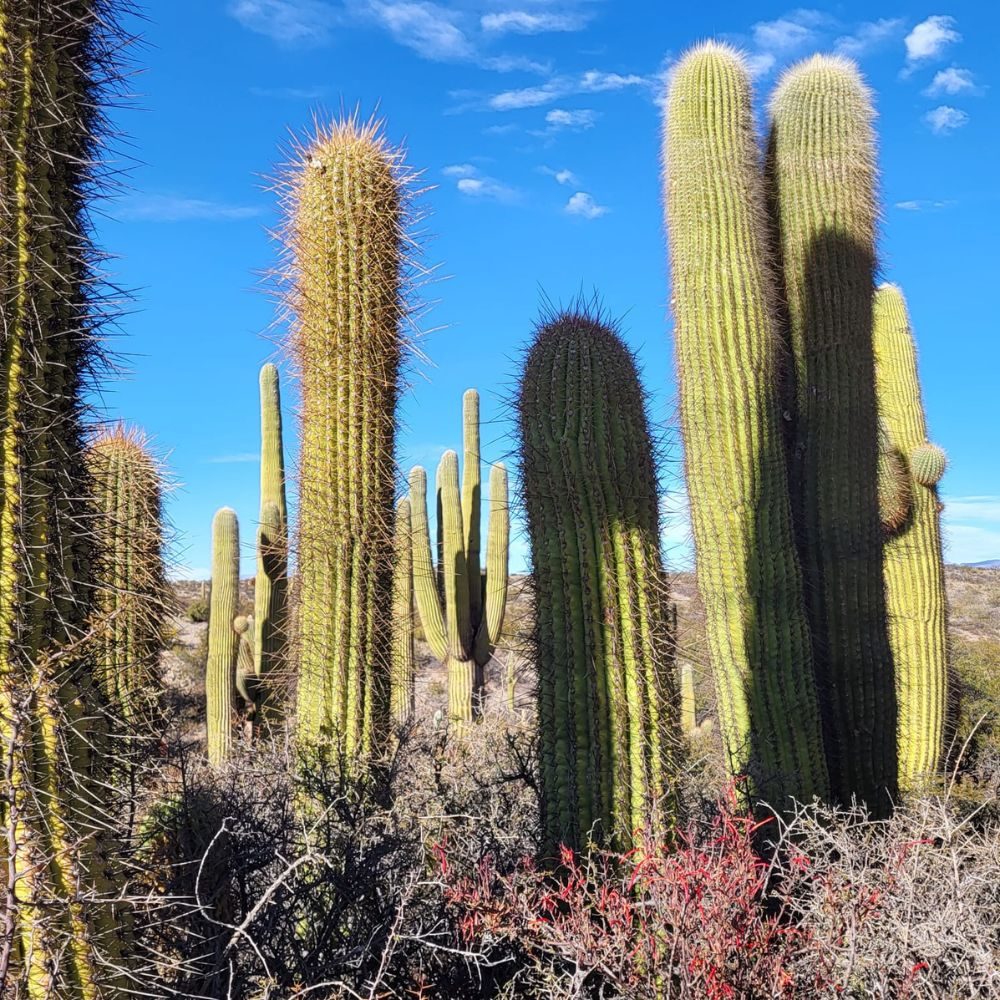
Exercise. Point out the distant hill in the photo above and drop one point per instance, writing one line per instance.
(986, 564)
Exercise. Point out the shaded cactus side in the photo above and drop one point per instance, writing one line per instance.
(914, 565)
(821, 173)
(271, 583)
(131, 580)
(223, 640)
(346, 234)
(464, 631)
(607, 703)
(723, 299)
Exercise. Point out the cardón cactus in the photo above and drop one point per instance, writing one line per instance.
(821, 172)
(223, 640)
(607, 706)
(465, 631)
(914, 567)
(346, 234)
(728, 366)
(402, 616)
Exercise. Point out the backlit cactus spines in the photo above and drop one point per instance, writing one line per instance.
(402, 616)
(914, 567)
(927, 463)
(895, 491)
(821, 167)
(55, 70)
(131, 581)
(608, 713)
(271, 586)
(346, 234)
(223, 640)
(727, 357)
(465, 632)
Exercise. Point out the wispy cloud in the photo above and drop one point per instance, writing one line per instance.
(560, 176)
(790, 32)
(523, 22)
(584, 205)
(429, 29)
(240, 458)
(288, 22)
(930, 38)
(459, 170)
(172, 208)
(951, 81)
(291, 93)
(578, 120)
(972, 528)
(868, 37)
(922, 205)
(592, 82)
(945, 119)
(470, 182)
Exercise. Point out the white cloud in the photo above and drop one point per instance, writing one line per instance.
(238, 459)
(459, 170)
(579, 119)
(585, 206)
(973, 508)
(868, 36)
(486, 187)
(592, 82)
(528, 97)
(922, 205)
(792, 31)
(560, 176)
(971, 528)
(951, 81)
(429, 29)
(171, 208)
(523, 22)
(930, 38)
(760, 64)
(288, 22)
(945, 119)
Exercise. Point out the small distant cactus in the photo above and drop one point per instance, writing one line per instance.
(464, 632)
(346, 235)
(914, 566)
(608, 715)
(131, 581)
(821, 172)
(271, 584)
(223, 640)
(402, 617)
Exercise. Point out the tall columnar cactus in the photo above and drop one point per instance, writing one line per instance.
(914, 567)
(689, 708)
(402, 616)
(223, 640)
(271, 586)
(607, 705)
(131, 581)
(821, 166)
(727, 357)
(65, 938)
(464, 632)
(346, 235)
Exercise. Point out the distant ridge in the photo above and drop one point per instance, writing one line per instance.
(986, 564)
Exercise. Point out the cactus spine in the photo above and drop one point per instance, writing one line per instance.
(131, 582)
(346, 242)
(608, 714)
(223, 641)
(727, 357)
(821, 164)
(689, 711)
(914, 567)
(464, 633)
(402, 617)
(66, 939)
(270, 588)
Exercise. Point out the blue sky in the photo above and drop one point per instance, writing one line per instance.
(536, 126)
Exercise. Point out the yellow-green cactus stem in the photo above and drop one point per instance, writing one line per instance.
(131, 580)
(67, 938)
(402, 616)
(271, 584)
(608, 712)
(727, 350)
(689, 713)
(928, 463)
(821, 176)
(223, 641)
(346, 242)
(463, 633)
(895, 491)
(914, 566)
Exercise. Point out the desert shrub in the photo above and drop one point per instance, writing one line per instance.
(976, 672)
(197, 610)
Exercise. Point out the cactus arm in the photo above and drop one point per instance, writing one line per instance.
(272, 452)
(425, 585)
(472, 501)
(747, 566)
(223, 641)
(497, 565)
(689, 714)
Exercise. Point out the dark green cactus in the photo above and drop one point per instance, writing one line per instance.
(914, 566)
(607, 704)
(271, 584)
(464, 632)
(131, 581)
(728, 367)
(223, 641)
(821, 172)
(65, 938)
(402, 616)
(347, 238)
